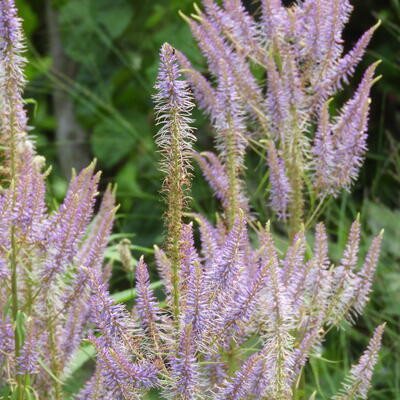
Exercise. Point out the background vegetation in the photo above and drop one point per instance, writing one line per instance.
(92, 65)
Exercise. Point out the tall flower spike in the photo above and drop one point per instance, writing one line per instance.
(293, 264)
(92, 249)
(111, 319)
(189, 255)
(201, 87)
(247, 296)
(197, 300)
(217, 48)
(94, 389)
(208, 237)
(358, 382)
(215, 174)
(230, 138)
(242, 382)
(238, 26)
(66, 228)
(146, 303)
(13, 119)
(184, 367)
(366, 274)
(277, 327)
(344, 281)
(346, 65)
(175, 139)
(90, 256)
(27, 361)
(280, 186)
(121, 376)
(355, 292)
(318, 278)
(349, 132)
(274, 17)
(164, 268)
(30, 190)
(335, 14)
(324, 151)
(230, 258)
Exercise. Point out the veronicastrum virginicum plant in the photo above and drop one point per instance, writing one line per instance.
(45, 257)
(239, 321)
(299, 52)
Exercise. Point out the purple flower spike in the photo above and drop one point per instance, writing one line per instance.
(184, 368)
(146, 303)
(242, 382)
(280, 186)
(67, 227)
(349, 132)
(121, 376)
(324, 152)
(111, 319)
(27, 361)
(366, 274)
(6, 339)
(189, 256)
(229, 261)
(197, 300)
(13, 118)
(202, 89)
(358, 381)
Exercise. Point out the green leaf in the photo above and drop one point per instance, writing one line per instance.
(379, 216)
(49, 372)
(20, 326)
(114, 16)
(93, 23)
(129, 294)
(84, 354)
(111, 143)
(127, 179)
(29, 18)
(77, 32)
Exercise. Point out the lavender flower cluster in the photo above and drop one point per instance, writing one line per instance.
(299, 52)
(240, 319)
(46, 257)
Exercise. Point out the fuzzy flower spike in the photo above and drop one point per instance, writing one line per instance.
(175, 139)
(358, 381)
(13, 119)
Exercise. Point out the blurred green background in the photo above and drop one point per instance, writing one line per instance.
(92, 66)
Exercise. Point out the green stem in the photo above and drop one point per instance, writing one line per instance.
(14, 286)
(13, 254)
(296, 206)
(232, 166)
(55, 367)
(15, 309)
(294, 163)
(174, 214)
(232, 178)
